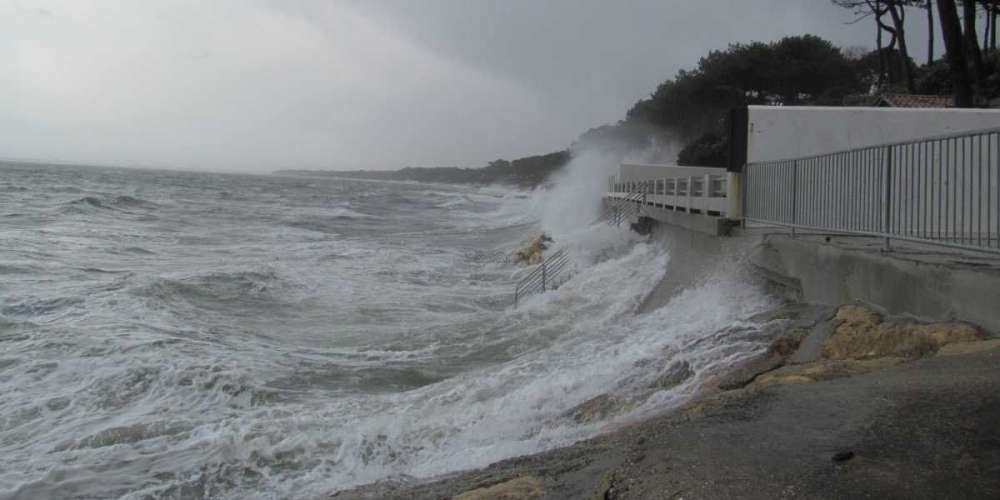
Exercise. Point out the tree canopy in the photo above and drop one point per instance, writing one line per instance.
(794, 70)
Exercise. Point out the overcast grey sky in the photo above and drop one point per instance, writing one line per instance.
(259, 85)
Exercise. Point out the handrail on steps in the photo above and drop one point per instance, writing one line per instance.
(546, 276)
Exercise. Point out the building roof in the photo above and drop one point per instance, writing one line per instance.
(914, 101)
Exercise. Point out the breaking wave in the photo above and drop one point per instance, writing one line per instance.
(320, 336)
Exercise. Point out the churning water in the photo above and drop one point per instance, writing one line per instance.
(178, 335)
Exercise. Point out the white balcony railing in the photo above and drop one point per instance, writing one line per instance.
(696, 190)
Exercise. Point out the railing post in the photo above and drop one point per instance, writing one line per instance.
(543, 275)
(690, 193)
(744, 190)
(795, 194)
(887, 214)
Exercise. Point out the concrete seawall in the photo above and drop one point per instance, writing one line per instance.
(926, 284)
(922, 282)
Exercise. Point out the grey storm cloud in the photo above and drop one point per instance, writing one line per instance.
(259, 85)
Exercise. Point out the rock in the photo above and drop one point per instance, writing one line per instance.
(784, 346)
(783, 379)
(747, 371)
(597, 408)
(522, 488)
(968, 347)
(843, 456)
(861, 333)
(532, 253)
(948, 333)
(858, 317)
(824, 370)
(605, 488)
(811, 347)
(673, 376)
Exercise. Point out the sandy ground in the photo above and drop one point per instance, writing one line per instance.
(923, 429)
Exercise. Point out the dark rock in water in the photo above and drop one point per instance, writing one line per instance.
(532, 253)
(643, 226)
(784, 346)
(843, 456)
(597, 408)
(674, 375)
(748, 370)
(775, 356)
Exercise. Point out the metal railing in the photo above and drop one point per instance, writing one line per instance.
(548, 275)
(939, 190)
(622, 209)
(678, 190)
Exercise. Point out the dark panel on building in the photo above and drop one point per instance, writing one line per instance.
(739, 123)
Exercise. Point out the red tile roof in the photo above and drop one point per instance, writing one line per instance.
(915, 101)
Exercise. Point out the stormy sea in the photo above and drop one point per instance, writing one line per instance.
(191, 335)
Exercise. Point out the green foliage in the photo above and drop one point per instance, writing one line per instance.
(991, 84)
(934, 78)
(794, 70)
(869, 66)
(709, 150)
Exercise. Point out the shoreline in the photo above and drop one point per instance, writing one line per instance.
(807, 419)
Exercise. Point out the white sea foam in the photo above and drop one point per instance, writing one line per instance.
(274, 362)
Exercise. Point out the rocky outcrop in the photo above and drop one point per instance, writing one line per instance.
(824, 370)
(522, 488)
(968, 347)
(745, 373)
(676, 374)
(859, 340)
(532, 253)
(598, 408)
(862, 333)
(856, 340)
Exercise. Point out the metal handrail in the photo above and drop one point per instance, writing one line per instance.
(677, 189)
(621, 208)
(545, 276)
(940, 190)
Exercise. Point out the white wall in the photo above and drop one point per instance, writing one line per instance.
(777, 133)
(941, 190)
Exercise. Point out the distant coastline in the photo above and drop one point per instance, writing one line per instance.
(528, 172)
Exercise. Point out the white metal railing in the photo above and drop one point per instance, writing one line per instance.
(621, 209)
(547, 275)
(678, 190)
(937, 190)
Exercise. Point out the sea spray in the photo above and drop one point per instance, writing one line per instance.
(245, 354)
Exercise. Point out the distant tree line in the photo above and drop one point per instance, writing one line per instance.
(524, 172)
